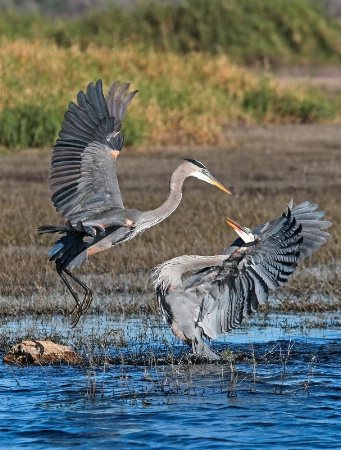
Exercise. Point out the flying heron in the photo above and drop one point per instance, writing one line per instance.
(227, 287)
(85, 188)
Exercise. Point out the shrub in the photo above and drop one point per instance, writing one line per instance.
(181, 100)
(248, 31)
(28, 126)
(268, 104)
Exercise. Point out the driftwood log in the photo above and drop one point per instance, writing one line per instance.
(41, 352)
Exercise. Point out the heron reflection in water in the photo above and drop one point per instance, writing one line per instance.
(226, 288)
(85, 188)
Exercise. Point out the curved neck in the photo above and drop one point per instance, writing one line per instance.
(154, 216)
(193, 263)
(170, 272)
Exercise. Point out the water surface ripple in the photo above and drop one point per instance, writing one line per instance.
(282, 391)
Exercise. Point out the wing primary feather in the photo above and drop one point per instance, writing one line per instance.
(82, 156)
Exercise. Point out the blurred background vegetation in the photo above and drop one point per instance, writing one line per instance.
(199, 64)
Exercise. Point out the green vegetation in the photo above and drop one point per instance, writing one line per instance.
(182, 58)
(248, 31)
(28, 126)
(182, 99)
(262, 101)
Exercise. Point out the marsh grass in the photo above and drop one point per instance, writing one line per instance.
(182, 99)
(265, 168)
(266, 164)
(125, 359)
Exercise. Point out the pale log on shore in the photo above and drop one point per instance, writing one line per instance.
(41, 352)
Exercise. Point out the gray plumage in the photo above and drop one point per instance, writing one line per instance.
(83, 170)
(228, 287)
(85, 188)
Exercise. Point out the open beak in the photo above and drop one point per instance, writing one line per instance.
(244, 233)
(214, 181)
(234, 225)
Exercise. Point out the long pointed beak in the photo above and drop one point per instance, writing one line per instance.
(234, 225)
(217, 183)
(243, 232)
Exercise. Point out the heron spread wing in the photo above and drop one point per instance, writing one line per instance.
(243, 280)
(83, 173)
(307, 216)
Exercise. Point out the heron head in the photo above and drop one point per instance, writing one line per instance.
(245, 233)
(198, 170)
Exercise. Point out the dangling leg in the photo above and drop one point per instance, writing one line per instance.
(200, 347)
(88, 292)
(80, 307)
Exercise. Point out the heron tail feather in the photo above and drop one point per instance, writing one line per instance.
(70, 250)
(51, 229)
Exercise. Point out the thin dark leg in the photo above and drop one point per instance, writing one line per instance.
(80, 307)
(68, 285)
(88, 292)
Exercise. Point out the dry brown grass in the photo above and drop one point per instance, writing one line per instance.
(266, 167)
(183, 99)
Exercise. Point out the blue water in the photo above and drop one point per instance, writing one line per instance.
(283, 392)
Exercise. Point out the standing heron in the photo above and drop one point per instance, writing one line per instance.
(230, 286)
(85, 188)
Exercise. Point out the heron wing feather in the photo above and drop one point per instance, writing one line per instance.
(244, 279)
(306, 214)
(83, 168)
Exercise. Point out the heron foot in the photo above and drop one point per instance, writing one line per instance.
(201, 349)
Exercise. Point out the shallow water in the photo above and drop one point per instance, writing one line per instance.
(282, 390)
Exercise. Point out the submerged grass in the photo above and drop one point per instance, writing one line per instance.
(182, 99)
(139, 361)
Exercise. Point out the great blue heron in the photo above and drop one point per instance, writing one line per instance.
(230, 286)
(85, 188)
